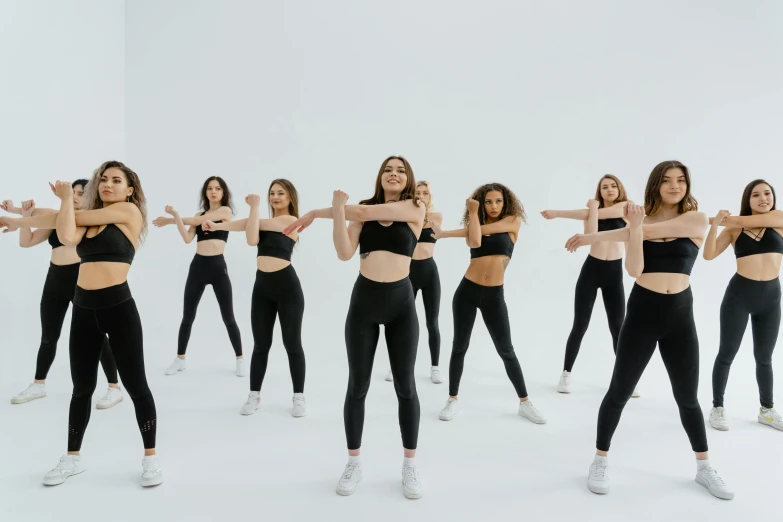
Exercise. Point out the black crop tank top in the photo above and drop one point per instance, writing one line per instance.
(770, 242)
(397, 238)
(54, 241)
(110, 244)
(426, 236)
(673, 257)
(610, 224)
(494, 245)
(275, 244)
(202, 235)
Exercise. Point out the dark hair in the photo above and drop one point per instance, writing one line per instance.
(82, 182)
(745, 205)
(225, 202)
(652, 194)
(511, 204)
(92, 199)
(293, 196)
(408, 192)
(621, 196)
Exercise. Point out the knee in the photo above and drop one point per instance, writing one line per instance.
(432, 323)
(507, 353)
(357, 391)
(406, 390)
(84, 390)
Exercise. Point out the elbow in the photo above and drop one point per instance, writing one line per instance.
(67, 239)
(343, 256)
(474, 244)
(252, 242)
(634, 272)
(708, 256)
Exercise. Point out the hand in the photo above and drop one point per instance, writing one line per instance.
(8, 224)
(472, 205)
(160, 221)
(579, 240)
(253, 200)
(720, 218)
(210, 226)
(7, 205)
(28, 207)
(436, 231)
(549, 214)
(300, 224)
(62, 189)
(170, 210)
(339, 199)
(592, 204)
(634, 214)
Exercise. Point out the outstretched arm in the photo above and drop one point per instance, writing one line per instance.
(772, 219)
(615, 211)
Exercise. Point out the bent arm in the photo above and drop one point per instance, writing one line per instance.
(691, 225)
(716, 244)
(772, 219)
(634, 256)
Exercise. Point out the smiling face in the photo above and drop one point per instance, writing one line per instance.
(394, 178)
(279, 199)
(493, 204)
(673, 187)
(762, 199)
(113, 186)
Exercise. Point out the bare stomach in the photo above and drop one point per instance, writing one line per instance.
(423, 251)
(664, 282)
(606, 251)
(64, 255)
(211, 247)
(487, 270)
(761, 267)
(385, 267)
(271, 264)
(103, 274)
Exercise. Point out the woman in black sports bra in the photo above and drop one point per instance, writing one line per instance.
(660, 252)
(491, 226)
(277, 291)
(753, 292)
(106, 234)
(603, 268)
(385, 228)
(207, 268)
(57, 294)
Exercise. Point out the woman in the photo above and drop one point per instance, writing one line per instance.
(754, 291)
(385, 228)
(424, 276)
(491, 226)
(601, 270)
(660, 252)
(106, 234)
(57, 294)
(277, 291)
(207, 268)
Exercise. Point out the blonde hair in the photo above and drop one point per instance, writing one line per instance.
(430, 204)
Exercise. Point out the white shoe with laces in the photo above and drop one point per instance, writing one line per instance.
(598, 478)
(435, 375)
(450, 410)
(300, 410)
(241, 367)
(252, 404)
(389, 376)
(528, 411)
(718, 419)
(68, 466)
(709, 478)
(564, 386)
(352, 475)
(112, 397)
(411, 483)
(32, 392)
(771, 418)
(151, 473)
(177, 366)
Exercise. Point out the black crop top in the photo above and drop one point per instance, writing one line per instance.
(426, 236)
(610, 224)
(397, 238)
(275, 244)
(673, 257)
(202, 235)
(109, 245)
(54, 240)
(494, 245)
(769, 243)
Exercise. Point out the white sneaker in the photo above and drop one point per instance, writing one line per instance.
(352, 475)
(528, 411)
(151, 473)
(450, 410)
(598, 479)
(411, 483)
(435, 375)
(389, 377)
(564, 386)
(177, 366)
(709, 478)
(771, 418)
(112, 397)
(241, 367)
(718, 419)
(252, 404)
(32, 392)
(300, 410)
(636, 394)
(68, 466)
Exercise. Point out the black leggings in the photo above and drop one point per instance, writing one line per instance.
(277, 294)
(468, 298)
(208, 270)
(57, 295)
(392, 305)
(97, 313)
(665, 320)
(595, 274)
(424, 276)
(761, 301)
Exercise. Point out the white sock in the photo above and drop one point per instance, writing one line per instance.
(39, 385)
(702, 464)
(408, 462)
(299, 396)
(765, 410)
(353, 459)
(604, 459)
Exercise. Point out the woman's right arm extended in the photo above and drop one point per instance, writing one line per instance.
(615, 211)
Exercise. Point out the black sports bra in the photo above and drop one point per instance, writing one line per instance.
(769, 243)
(611, 224)
(110, 244)
(54, 240)
(397, 238)
(275, 244)
(201, 235)
(673, 257)
(494, 245)
(426, 236)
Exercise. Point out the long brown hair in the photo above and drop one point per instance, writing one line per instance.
(408, 192)
(652, 194)
(224, 202)
(511, 204)
(745, 205)
(92, 199)
(621, 196)
(293, 197)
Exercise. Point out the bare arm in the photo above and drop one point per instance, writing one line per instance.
(474, 230)
(772, 219)
(345, 237)
(591, 223)
(187, 234)
(221, 214)
(67, 231)
(29, 238)
(692, 225)
(634, 253)
(716, 244)
(615, 211)
(405, 211)
(252, 225)
(508, 224)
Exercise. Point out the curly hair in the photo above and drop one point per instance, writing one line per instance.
(652, 194)
(92, 199)
(511, 204)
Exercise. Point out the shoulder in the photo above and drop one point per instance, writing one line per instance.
(286, 219)
(436, 217)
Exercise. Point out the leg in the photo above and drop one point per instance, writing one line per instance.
(291, 310)
(733, 321)
(221, 284)
(262, 320)
(108, 363)
(194, 289)
(431, 299)
(495, 314)
(584, 299)
(765, 335)
(53, 310)
(402, 338)
(613, 294)
(464, 310)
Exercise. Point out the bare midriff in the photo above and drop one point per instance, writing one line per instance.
(211, 247)
(64, 255)
(423, 251)
(487, 270)
(664, 282)
(271, 264)
(607, 251)
(760, 267)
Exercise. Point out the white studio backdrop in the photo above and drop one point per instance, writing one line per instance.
(542, 97)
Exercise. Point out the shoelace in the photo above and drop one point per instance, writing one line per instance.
(528, 404)
(713, 477)
(64, 461)
(411, 475)
(29, 390)
(107, 395)
(149, 465)
(299, 401)
(599, 471)
(350, 470)
(720, 413)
